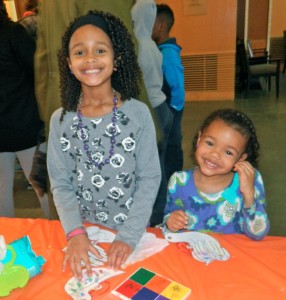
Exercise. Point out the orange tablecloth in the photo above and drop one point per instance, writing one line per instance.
(256, 270)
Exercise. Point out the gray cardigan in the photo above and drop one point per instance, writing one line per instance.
(119, 195)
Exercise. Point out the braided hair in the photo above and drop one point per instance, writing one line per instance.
(126, 80)
(238, 121)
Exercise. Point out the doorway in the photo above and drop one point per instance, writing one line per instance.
(253, 22)
(258, 23)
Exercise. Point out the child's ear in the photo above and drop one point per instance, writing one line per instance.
(243, 157)
(162, 26)
(70, 65)
(69, 62)
(199, 137)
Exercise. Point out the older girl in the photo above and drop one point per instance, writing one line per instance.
(102, 155)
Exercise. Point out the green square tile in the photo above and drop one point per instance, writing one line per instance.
(142, 276)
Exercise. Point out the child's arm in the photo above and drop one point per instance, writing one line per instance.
(255, 220)
(61, 185)
(175, 218)
(246, 182)
(148, 177)
(77, 252)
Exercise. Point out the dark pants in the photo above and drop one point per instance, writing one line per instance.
(169, 144)
(174, 157)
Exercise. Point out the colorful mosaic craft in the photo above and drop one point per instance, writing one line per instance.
(147, 285)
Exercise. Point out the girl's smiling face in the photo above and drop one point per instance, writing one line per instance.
(91, 56)
(219, 148)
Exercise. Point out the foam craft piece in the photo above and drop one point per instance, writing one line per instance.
(191, 237)
(205, 248)
(148, 245)
(100, 235)
(90, 287)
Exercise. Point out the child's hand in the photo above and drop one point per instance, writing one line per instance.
(118, 253)
(246, 179)
(77, 251)
(177, 220)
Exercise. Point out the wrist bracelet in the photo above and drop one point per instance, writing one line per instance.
(77, 231)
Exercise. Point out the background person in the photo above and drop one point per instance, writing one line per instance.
(20, 124)
(30, 18)
(173, 88)
(150, 61)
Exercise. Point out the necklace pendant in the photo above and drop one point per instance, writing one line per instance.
(84, 134)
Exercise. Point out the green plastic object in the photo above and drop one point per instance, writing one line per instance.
(12, 276)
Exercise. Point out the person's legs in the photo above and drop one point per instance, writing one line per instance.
(174, 157)
(26, 161)
(7, 164)
(165, 118)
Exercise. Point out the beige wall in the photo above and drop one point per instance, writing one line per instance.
(208, 41)
(210, 32)
(258, 12)
(278, 23)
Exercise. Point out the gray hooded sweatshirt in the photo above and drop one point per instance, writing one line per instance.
(149, 56)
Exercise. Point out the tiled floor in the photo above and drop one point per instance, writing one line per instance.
(269, 117)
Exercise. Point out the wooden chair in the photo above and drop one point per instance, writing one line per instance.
(257, 56)
(284, 45)
(267, 68)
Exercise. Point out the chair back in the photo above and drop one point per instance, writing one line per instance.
(242, 56)
(249, 48)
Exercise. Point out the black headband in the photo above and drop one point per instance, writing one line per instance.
(90, 19)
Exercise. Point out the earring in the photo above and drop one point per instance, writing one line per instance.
(71, 72)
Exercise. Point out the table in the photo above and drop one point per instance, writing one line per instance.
(256, 270)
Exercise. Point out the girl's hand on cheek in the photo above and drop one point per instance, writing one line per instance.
(246, 180)
(177, 220)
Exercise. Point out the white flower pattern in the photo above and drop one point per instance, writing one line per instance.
(128, 144)
(102, 198)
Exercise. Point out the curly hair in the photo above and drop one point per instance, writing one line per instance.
(126, 80)
(238, 121)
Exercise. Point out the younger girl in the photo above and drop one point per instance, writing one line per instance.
(225, 192)
(102, 154)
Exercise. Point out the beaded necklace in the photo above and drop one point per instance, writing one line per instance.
(83, 135)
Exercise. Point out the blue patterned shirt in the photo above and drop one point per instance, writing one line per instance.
(223, 211)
